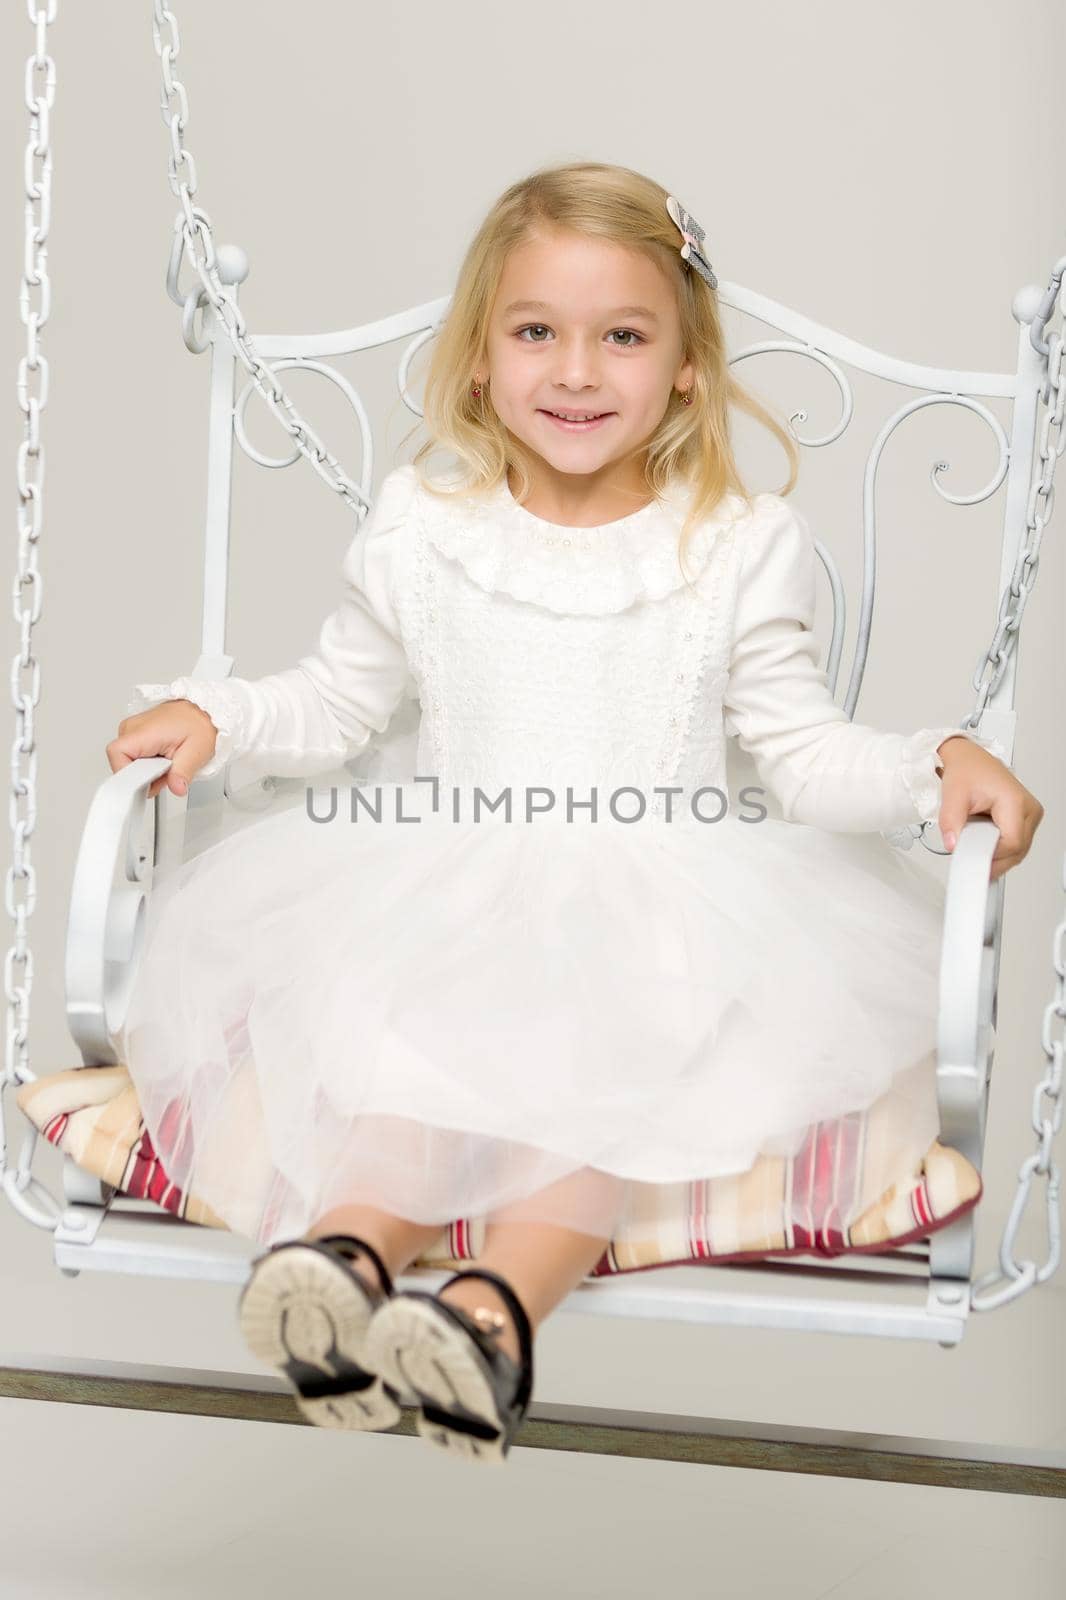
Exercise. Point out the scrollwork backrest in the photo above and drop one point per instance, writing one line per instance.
(794, 335)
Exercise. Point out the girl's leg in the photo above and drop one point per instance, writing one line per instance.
(540, 1260)
(534, 1244)
(398, 1240)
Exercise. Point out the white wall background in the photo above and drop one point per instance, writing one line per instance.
(895, 172)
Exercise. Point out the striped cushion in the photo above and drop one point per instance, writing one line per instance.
(778, 1207)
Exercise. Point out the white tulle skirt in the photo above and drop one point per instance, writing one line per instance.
(522, 1020)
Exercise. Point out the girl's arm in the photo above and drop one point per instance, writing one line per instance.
(325, 709)
(823, 768)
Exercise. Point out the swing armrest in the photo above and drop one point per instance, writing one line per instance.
(108, 901)
(969, 970)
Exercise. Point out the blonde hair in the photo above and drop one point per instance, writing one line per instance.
(603, 201)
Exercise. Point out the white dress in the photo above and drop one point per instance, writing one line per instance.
(537, 1016)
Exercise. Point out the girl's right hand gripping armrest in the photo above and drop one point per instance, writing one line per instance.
(310, 717)
(178, 729)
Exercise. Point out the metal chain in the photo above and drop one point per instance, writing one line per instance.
(1013, 1277)
(991, 668)
(195, 227)
(26, 1194)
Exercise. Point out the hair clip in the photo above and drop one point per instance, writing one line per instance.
(693, 236)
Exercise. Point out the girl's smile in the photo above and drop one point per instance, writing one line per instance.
(568, 425)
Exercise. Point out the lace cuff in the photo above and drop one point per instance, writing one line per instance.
(218, 699)
(919, 765)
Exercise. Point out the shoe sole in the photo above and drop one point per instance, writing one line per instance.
(302, 1314)
(418, 1348)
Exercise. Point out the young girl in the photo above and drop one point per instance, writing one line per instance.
(446, 1007)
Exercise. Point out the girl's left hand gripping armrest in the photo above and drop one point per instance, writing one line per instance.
(327, 708)
(975, 784)
(824, 769)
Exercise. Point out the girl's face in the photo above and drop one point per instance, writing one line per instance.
(584, 326)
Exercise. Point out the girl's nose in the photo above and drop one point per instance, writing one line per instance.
(576, 371)
(577, 384)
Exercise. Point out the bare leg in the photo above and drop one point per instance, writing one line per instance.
(398, 1240)
(540, 1260)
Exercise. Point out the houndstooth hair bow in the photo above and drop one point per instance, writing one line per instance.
(693, 236)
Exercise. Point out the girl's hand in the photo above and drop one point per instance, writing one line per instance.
(975, 782)
(177, 729)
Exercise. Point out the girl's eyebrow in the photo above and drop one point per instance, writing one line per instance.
(619, 311)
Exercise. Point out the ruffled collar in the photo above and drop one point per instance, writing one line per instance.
(506, 549)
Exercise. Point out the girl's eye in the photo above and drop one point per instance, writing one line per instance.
(632, 333)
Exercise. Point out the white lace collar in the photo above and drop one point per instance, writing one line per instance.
(504, 548)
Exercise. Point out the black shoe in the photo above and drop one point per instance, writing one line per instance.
(472, 1395)
(305, 1312)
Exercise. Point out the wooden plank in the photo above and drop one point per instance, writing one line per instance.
(588, 1430)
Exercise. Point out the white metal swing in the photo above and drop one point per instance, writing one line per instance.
(921, 1292)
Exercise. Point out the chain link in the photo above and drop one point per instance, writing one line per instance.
(196, 230)
(1013, 1277)
(26, 1194)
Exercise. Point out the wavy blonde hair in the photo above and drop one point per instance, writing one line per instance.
(692, 442)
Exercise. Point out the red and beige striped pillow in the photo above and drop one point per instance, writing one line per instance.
(780, 1206)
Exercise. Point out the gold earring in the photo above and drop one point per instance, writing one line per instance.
(686, 396)
(476, 388)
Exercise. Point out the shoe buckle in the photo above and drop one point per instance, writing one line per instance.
(489, 1318)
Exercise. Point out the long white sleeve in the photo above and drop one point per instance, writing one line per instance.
(824, 769)
(322, 711)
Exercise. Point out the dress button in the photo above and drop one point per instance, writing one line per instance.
(688, 635)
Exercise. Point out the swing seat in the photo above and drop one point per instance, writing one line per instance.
(916, 1243)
